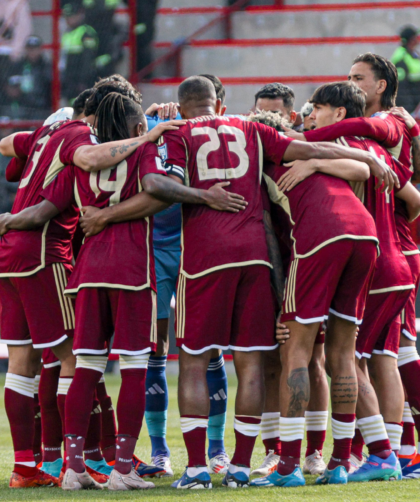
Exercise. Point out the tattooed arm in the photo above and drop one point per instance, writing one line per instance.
(277, 274)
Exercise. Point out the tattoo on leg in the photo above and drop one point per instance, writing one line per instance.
(344, 390)
(364, 389)
(298, 383)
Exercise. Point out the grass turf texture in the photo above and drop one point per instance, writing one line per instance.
(384, 491)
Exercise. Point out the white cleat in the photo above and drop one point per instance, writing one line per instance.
(314, 464)
(355, 463)
(163, 462)
(219, 464)
(79, 481)
(268, 466)
(130, 481)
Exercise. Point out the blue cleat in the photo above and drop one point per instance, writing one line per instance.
(275, 479)
(412, 469)
(200, 481)
(377, 469)
(337, 476)
(145, 470)
(53, 468)
(100, 466)
(236, 480)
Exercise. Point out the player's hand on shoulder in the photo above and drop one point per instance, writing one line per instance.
(4, 219)
(386, 178)
(401, 112)
(221, 200)
(164, 111)
(173, 125)
(299, 171)
(92, 221)
(290, 133)
(282, 332)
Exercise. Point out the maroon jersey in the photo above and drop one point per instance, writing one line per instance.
(121, 256)
(208, 150)
(322, 209)
(392, 271)
(47, 151)
(392, 133)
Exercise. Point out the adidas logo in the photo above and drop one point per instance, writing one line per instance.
(155, 389)
(219, 396)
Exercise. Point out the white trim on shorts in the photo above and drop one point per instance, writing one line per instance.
(52, 365)
(16, 342)
(385, 353)
(50, 344)
(312, 320)
(364, 355)
(347, 317)
(94, 352)
(227, 347)
(131, 352)
(406, 333)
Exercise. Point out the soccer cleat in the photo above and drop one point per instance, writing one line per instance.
(201, 480)
(100, 478)
(355, 462)
(100, 466)
(337, 476)
(377, 469)
(163, 462)
(407, 459)
(130, 481)
(268, 466)
(79, 481)
(314, 464)
(41, 478)
(412, 469)
(237, 479)
(275, 479)
(219, 464)
(144, 470)
(53, 468)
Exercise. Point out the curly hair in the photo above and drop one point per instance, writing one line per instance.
(271, 119)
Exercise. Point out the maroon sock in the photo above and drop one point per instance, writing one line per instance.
(315, 441)
(290, 457)
(244, 444)
(195, 440)
(37, 442)
(52, 430)
(410, 376)
(22, 457)
(20, 412)
(109, 426)
(408, 437)
(79, 401)
(131, 402)
(342, 447)
(74, 453)
(381, 449)
(272, 445)
(125, 449)
(93, 438)
(357, 444)
(61, 403)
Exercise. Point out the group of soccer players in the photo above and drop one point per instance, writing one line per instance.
(291, 249)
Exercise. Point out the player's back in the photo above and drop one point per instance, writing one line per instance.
(212, 149)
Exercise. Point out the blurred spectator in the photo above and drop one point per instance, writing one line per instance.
(305, 112)
(11, 99)
(7, 190)
(15, 28)
(407, 61)
(79, 47)
(145, 31)
(35, 82)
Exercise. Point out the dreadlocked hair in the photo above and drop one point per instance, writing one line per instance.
(271, 119)
(115, 116)
(106, 86)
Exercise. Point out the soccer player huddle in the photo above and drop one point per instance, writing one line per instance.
(291, 249)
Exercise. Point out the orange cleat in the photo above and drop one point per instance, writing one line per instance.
(41, 478)
(100, 478)
(406, 459)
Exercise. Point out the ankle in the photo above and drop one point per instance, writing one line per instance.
(287, 465)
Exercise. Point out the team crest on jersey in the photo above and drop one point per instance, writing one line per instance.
(163, 151)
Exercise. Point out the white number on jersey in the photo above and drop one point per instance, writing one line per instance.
(35, 159)
(104, 184)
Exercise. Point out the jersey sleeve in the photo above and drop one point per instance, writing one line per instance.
(22, 143)
(77, 137)
(404, 174)
(374, 127)
(15, 169)
(150, 161)
(60, 191)
(173, 152)
(274, 144)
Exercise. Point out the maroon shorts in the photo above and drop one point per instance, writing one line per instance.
(231, 308)
(408, 315)
(34, 308)
(102, 312)
(335, 279)
(380, 331)
(49, 359)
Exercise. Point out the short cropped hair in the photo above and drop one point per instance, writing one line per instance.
(345, 94)
(383, 69)
(276, 91)
(220, 90)
(196, 89)
(80, 102)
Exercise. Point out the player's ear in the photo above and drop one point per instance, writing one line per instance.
(218, 107)
(293, 117)
(139, 130)
(381, 86)
(340, 113)
(223, 110)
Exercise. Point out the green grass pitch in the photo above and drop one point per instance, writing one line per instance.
(387, 492)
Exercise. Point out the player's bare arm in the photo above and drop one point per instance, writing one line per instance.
(172, 190)
(6, 145)
(386, 178)
(411, 196)
(29, 218)
(94, 158)
(276, 273)
(350, 170)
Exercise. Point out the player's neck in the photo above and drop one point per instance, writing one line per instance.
(373, 108)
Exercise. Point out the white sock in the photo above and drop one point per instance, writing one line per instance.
(235, 468)
(270, 425)
(195, 471)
